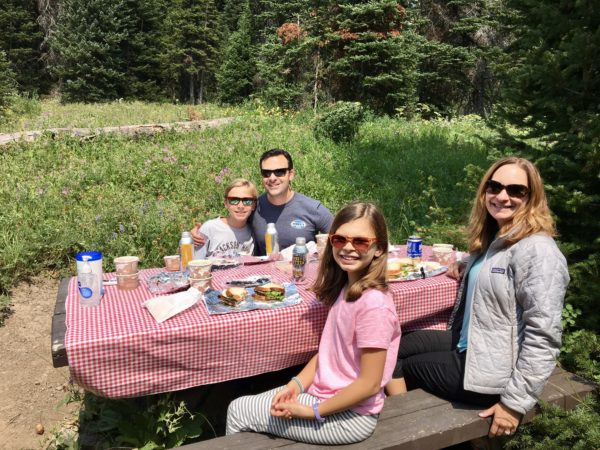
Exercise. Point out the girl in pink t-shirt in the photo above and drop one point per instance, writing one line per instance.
(337, 397)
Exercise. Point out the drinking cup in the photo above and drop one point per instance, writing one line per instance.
(128, 282)
(126, 265)
(199, 268)
(172, 263)
(443, 253)
(202, 284)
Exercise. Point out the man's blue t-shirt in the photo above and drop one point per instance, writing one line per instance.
(301, 216)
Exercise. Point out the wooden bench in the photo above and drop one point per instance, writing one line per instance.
(59, 326)
(417, 420)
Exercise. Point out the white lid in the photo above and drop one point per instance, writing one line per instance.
(300, 240)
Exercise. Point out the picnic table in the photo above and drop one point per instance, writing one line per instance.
(117, 349)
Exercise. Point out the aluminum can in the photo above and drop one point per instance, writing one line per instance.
(414, 247)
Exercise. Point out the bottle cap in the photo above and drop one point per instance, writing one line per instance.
(186, 234)
(300, 241)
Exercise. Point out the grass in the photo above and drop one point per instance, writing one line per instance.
(135, 196)
(51, 113)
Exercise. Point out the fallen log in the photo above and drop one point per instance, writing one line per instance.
(152, 128)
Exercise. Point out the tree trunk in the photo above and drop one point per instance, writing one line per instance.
(201, 89)
(192, 97)
(316, 85)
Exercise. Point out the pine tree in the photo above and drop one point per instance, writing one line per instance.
(552, 93)
(142, 52)
(88, 42)
(372, 56)
(191, 49)
(7, 86)
(21, 39)
(238, 69)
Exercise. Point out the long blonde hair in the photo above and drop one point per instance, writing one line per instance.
(331, 278)
(532, 217)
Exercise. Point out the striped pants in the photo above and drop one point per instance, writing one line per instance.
(252, 413)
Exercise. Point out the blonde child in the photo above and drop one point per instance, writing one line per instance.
(230, 236)
(337, 397)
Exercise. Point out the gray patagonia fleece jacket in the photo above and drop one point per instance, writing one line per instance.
(514, 334)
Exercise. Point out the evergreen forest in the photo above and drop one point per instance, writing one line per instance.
(529, 68)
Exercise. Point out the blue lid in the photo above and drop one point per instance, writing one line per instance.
(94, 256)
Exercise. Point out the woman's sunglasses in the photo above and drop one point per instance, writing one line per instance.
(246, 201)
(513, 190)
(266, 173)
(360, 244)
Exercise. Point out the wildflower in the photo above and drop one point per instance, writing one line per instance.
(121, 228)
(66, 191)
(98, 218)
(40, 191)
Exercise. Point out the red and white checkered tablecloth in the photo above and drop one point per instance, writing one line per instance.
(118, 350)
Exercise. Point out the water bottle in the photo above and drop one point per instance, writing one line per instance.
(186, 249)
(87, 282)
(271, 239)
(299, 254)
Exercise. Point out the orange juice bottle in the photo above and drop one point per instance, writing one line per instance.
(186, 249)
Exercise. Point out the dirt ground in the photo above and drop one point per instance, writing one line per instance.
(32, 391)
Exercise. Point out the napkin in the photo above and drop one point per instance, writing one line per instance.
(166, 306)
(286, 253)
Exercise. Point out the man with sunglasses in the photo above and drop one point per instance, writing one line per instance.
(293, 214)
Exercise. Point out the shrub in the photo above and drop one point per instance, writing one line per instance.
(340, 122)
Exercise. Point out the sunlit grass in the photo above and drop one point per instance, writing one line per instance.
(125, 195)
(51, 113)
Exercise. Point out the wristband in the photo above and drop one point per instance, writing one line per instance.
(316, 411)
(299, 383)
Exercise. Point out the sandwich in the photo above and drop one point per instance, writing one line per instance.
(233, 296)
(270, 292)
(399, 267)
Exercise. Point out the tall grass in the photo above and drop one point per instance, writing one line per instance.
(36, 115)
(135, 196)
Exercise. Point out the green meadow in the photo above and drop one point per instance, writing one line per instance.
(124, 195)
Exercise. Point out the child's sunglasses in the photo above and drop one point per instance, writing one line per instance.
(246, 201)
(266, 173)
(513, 190)
(360, 244)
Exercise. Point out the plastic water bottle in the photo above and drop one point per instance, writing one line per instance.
(271, 239)
(186, 249)
(87, 282)
(299, 255)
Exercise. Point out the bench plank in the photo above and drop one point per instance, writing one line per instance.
(59, 326)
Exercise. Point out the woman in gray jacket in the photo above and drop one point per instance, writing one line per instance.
(504, 334)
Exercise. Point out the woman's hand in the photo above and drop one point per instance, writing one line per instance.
(505, 421)
(456, 270)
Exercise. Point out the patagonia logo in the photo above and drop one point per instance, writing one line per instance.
(498, 270)
(298, 224)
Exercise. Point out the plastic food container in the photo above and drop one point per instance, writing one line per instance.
(199, 268)
(128, 282)
(202, 284)
(172, 263)
(126, 265)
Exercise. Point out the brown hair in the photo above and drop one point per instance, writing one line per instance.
(532, 217)
(331, 278)
(241, 182)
